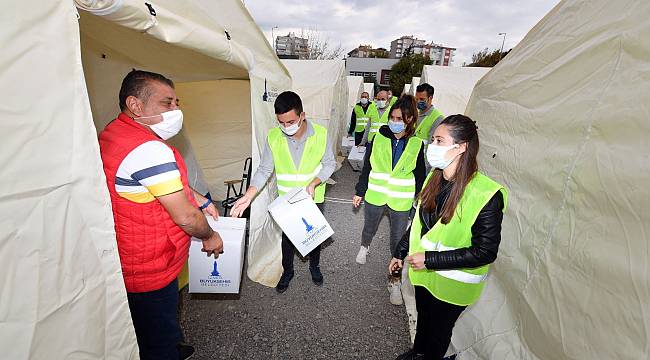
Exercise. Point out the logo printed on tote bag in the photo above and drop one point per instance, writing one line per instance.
(313, 233)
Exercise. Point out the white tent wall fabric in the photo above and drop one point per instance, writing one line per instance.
(62, 290)
(563, 121)
(323, 88)
(370, 89)
(415, 81)
(62, 263)
(355, 88)
(452, 86)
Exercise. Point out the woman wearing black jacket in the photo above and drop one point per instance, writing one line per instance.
(454, 236)
(392, 176)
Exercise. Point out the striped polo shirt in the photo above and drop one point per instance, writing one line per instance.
(147, 172)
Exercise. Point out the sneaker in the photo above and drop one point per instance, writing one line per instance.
(316, 276)
(185, 351)
(395, 293)
(283, 284)
(410, 355)
(361, 256)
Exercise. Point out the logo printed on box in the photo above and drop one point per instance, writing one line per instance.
(214, 279)
(215, 272)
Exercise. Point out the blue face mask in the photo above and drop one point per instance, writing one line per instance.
(396, 127)
(422, 105)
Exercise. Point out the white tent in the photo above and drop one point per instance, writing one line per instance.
(355, 88)
(226, 90)
(62, 268)
(323, 89)
(563, 121)
(370, 89)
(415, 81)
(407, 89)
(453, 86)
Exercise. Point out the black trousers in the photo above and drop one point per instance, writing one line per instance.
(436, 320)
(358, 136)
(288, 252)
(155, 322)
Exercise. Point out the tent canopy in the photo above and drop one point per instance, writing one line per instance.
(563, 121)
(355, 89)
(415, 81)
(453, 86)
(226, 90)
(323, 88)
(370, 89)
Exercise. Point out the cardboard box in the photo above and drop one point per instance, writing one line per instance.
(356, 157)
(222, 275)
(346, 145)
(301, 220)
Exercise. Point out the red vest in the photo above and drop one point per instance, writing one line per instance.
(152, 247)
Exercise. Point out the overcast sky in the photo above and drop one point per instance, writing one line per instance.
(468, 25)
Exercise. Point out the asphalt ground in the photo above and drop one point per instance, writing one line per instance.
(349, 317)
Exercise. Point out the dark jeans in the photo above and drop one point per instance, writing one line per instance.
(436, 320)
(372, 216)
(358, 136)
(288, 251)
(155, 322)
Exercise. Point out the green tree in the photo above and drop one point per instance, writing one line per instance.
(487, 58)
(404, 70)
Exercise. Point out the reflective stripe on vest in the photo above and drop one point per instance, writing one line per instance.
(377, 121)
(286, 174)
(458, 286)
(424, 129)
(362, 118)
(390, 186)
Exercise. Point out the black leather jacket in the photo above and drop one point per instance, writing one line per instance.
(486, 236)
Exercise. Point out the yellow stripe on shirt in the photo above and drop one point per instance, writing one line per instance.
(166, 187)
(140, 198)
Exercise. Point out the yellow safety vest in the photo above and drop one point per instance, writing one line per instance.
(362, 117)
(423, 130)
(390, 186)
(288, 177)
(377, 121)
(459, 286)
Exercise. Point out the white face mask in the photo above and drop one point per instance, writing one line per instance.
(381, 104)
(364, 101)
(436, 156)
(171, 124)
(290, 130)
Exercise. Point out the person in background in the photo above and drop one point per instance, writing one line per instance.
(381, 119)
(454, 236)
(362, 114)
(154, 209)
(301, 156)
(392, 175)
(429, 117)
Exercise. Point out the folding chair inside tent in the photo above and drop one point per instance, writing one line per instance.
(229, 201)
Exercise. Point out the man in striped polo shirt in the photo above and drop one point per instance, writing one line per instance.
(155, 210)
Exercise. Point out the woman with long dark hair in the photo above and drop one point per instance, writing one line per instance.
(454, 236)
(392, 175)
